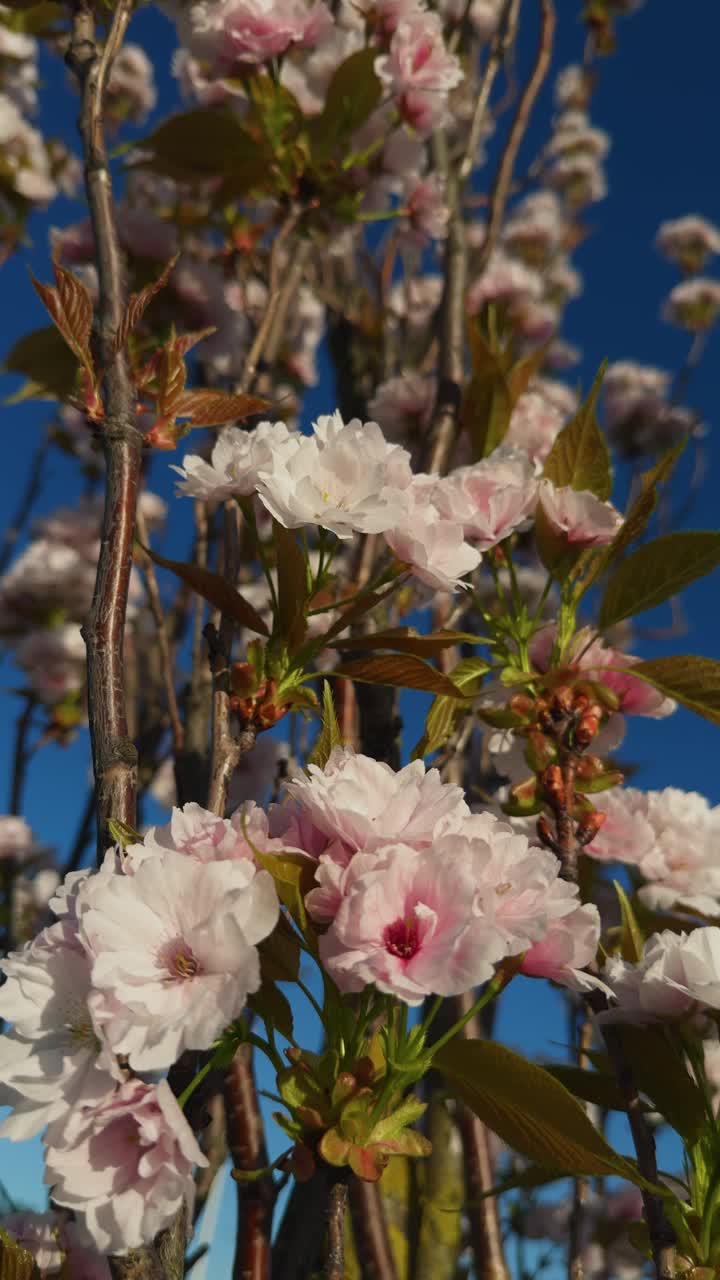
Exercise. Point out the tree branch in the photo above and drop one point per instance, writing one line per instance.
(166, 660)
(114, 755)
(337, 1204)
(246, 1142)
(503, 178)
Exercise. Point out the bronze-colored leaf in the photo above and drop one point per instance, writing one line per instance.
(407, 640)
(138, 304)
(401, 671)
(688, 678)
(213, 588)
(216, 408)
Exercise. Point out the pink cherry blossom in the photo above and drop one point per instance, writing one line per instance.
(361, 803)
(126, 1165)
(53, 1241)
(505, 281)
(570, 944)
(403, 405)
(236, 461)
(492, 498)
(693, 304)
(345, 477)
(200, 835)
(677, 972)
(534, 424)
(231, 34)
(689, 241)
(427, 214)
(54, 661)
(131, 90)
(173, 950)
(53, 1058)
(672, 837)
(409, 927)
(577, 517)
(432, 546)
(419, 71)
(16, 838)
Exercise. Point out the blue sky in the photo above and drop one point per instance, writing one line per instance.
(656, 97)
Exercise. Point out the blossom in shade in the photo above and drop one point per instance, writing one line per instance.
(570, 944)
(235, 462)
(432, 546)
(426, 213)
(676, 973)
(688, 241)
(54, 660)
(418, 70)
(131, 92)
(693, 304)
(534, 424)
(403, 405)
(505, 281)
(345, 478)
(491, 499)
(572, 87)
(576, 517)
(574, 135)
(53, 1057)
(535, 229)
(54, 1242)
(672, 837)
(232, 34)
(408, 926)
(16, 838)
(579, 178)
(173, 950)
(124, 1166)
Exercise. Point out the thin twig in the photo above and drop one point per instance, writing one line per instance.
(503, 177)
(114, 755)
(499, 49)
(276, 293)
(166, 658)
(21, 754)
(25, 505)
(372, 1242)
(83, 835)
(337, 1204)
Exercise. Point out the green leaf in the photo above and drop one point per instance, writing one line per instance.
(579, 458)
(213, 588)
(410, 1110)
(657, 571)
(15, 1261)
(329, 735)
(486, 410)
(445, 712)
(408, 640)
(352, 95)
(529, 1109)
(274, 1008)
(638, 514)
(401, 671)
(597, 1087)
(47, 364)
(123, 834)
(688, 678)
(195, 146)
(280, 954)
(294, 876)
(658, 1072)
(632, 942)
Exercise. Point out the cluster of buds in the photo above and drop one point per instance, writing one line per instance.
(559, 726)
(253, 698)
(338, 1120)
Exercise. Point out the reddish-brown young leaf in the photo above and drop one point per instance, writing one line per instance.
(402, 671)
(407, 640)
(138, 304)
(215, 408)
(171, 375)
(70, 307)
(215, 590)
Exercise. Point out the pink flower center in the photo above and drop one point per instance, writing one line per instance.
(402, 937)
(178, 960)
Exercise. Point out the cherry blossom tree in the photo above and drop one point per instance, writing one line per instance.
(344, 180)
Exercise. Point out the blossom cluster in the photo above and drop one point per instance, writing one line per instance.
(152, 954)
(47, 591)
(347, 478)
